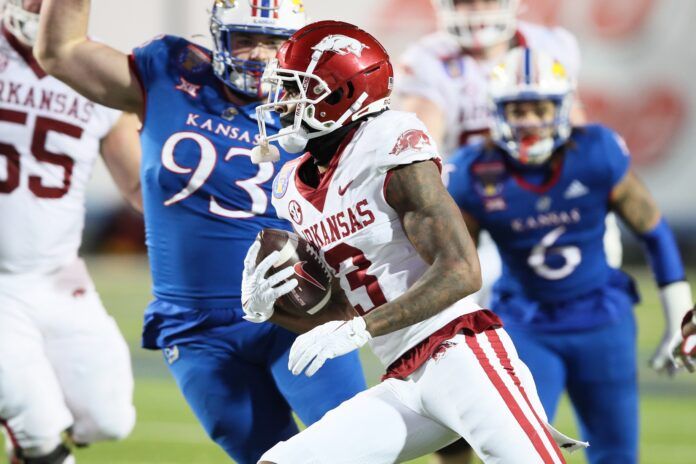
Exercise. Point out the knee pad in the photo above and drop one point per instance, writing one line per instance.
(110, 425)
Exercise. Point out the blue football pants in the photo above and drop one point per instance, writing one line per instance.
(236, 381)
(598, 369)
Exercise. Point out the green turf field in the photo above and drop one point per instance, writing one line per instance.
(167, 432)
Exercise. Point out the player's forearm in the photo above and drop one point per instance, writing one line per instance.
(434, 226)
(62, 26)
(97, 71)
(445, 283)
(121, 152)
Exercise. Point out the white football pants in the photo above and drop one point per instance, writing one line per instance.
(477, 389)
(63, 362)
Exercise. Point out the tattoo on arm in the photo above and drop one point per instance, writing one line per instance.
(633, 202)
(434, 226)
(472, 226)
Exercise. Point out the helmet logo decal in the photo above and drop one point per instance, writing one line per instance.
(341, 45)
(299, 6)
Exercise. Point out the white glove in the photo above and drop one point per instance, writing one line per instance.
(259, 293)
(676, 301)
(327, 341)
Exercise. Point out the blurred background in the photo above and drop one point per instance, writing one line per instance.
(636, 78)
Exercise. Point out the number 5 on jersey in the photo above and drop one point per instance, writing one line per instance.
(42, 127)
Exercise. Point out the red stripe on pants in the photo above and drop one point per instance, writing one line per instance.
(510, 402)
(11, 435)
(499, 349)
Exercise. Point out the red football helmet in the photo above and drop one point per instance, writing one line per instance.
(333, 73)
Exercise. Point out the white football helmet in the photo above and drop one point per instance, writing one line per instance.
(478, 27)
(230, 17)
(529, 75)
(22, 24)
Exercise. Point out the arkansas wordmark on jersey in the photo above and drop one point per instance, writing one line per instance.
(358, 233)
(50, 136)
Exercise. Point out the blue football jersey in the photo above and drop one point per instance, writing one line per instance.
(549, 234)
(204, 201)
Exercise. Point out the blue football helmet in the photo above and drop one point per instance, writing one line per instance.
(527, 75)
(229, 18)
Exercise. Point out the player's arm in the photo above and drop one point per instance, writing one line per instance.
(97, 71)
(472, 226)
(434, 225)
(427, 111)
(120, 150)
(635, 205)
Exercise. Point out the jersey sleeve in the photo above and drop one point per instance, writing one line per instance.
(416, 76)
(616, 154)
(108, 118)
(405, 141)
(148, 61)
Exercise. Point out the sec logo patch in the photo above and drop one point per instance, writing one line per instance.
(295, 211)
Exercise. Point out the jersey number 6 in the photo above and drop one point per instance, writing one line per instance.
(570, 254)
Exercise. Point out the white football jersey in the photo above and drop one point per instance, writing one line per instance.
(359, 234)
(49, 141)
(435, 68)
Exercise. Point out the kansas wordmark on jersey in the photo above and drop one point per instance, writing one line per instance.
(550, 234)
(204, 200)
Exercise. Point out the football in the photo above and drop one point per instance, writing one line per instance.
(315, 280)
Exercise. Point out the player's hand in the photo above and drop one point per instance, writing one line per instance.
(663, 360)
(259, 292)
(326, 341)
(685, 353)
(675, 299)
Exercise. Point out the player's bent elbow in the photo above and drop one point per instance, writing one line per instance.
(52, 59)
(474, 280)
(47, 57)
(467, 276)
(135, 198)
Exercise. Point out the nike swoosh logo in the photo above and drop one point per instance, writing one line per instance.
(299, 270)
(342, 190)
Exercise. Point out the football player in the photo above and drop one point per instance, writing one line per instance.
(204, 203)
(368, 194)
(542, 189)
(444, 75)
(443, 79)
(64, 365)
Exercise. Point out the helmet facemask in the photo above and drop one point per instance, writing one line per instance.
(478, 28)
(311, 90)
(528, 76)
(326, 76)
(22, 24)
(533, 144)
